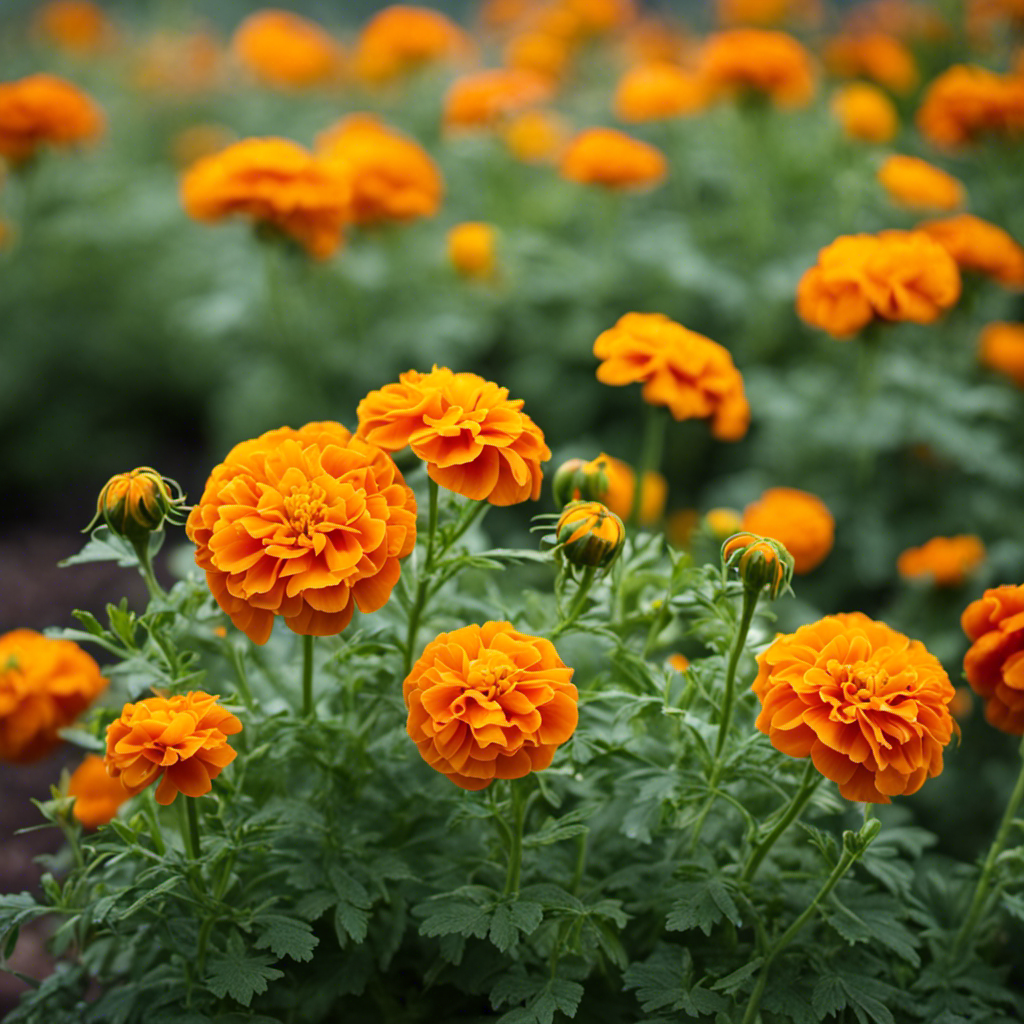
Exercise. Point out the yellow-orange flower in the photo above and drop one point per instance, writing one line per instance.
(994, 666)
(680, 662)
(392, 177)
(865, 113)
(183, 741)
(305, 524)
(879, 57)
(653, 92)
(273, 182)
(1002, 348)
(286, 50)
(690, 374)
(979, 246)
(472, 249)
(589, 534)
(541, 53)
(488, 702)
(920, 185)
(723, 522)
(766, 12)
(613, 160)
(402, 38)
(947, 561)
(484, 99)
(600, 17)
(475, 440)
(798, 520)
(755, 61)
(894, 275)
(43, 110)
(653, 40)
(868, 705)
(44, 686)
(76, 26)
(97, 795)
(966, 103)
(621, 490)
(536, 136)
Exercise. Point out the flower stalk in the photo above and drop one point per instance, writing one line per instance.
(423, 583)
(188, 822)
(515, 852)
(650, 456)
(307, 677)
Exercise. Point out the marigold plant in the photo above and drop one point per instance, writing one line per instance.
(796, 519)
(402, 38)
(611, 159)
(756, 62)
(44, 110)
(967, 103)
(946, 561)
(657, 91)
(979, 247)
(919, 185)
(285, 50)
(994, 665)
(865, 113)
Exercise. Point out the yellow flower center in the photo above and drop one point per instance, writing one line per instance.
(491, 675)
(306, 508)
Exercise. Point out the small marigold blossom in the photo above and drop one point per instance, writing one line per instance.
(43, 110)
(613, 160)
(97, 795)
(1001, 348)
(946, 561)
(979, 247)
(485, 99)
(658, 91)
(472, 249)
(749, 61)
(919, 185)
(286, 50)
(798, 520)
(966, 103)
(868, 705)
(865, 113)
(75, 26)
(402, 38)
(875, 56)
(994, 665)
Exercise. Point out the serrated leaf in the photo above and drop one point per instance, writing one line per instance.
(457, 918)
(701, 905)
(239, 974)
(315, 904)
(829, 996)
(731, 983)
(350, 922)
(285, 936)
(876, 920)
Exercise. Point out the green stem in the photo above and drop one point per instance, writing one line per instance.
(659, 623)
(155, 832)
(981, 890)
(515, 853)
(423, 584)
(581, 863)
(307, 677)
(238, 661)
(578, 602)
(146, 568)
(188, 822)
(650, 456)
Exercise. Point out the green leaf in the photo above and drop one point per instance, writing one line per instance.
(865, 996)
(508, 920)
(829, 996)
(876, 920)
(701, 905)
(350, 921)
(16, 910)
(285, 936)
(104, 546)
(457, 918)
(732, 983)
(664, 981)
(239, 974)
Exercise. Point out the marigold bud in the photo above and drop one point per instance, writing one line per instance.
(590, 534)
(760, 561)
(136, 503)
(577, 479)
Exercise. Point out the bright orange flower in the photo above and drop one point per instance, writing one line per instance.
(1002, 348)
(767, 12)
(865, 113)
(994, 665)
(472, 248)
(75, 26)
(475, 440)
(484, 99)
(613, 160)
(538, 52)
(947, 561)
(920, 185)
(305, 524)
(879, 57)
(979, 246)
(799, 521)
(680, 662)
(653, 92)
(402, 38)
(755, 61)
(601, 17)
(393, 178)
(179, 64)
(97, 795)
(966, 103)
(44, 686)
(868, 705)
(273, 182)
(487, 702)
(621, 490)
(285, 50)
(43, 110)
(183, 741)
(692, 375)
(536, 136)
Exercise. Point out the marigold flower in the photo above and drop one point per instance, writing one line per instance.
(690, 374)
(865, 113)
(75, 26)
(273, 182)
(653, 92)
(617, 488)
(868, 705)
(488, 702)
(759, 62)
(305, 524)
(541, 53)
(680, 662)
(472, 248)
(402, 38)
(183, 741)
(43, 110)
(97, 795)
(800, 521)
(589, 534)
(285, 50)
(920, 185)
(1002, 348)
(392, 177)
(475, 440)
(760, 562)
(881, 58)
(966, 103)
(613, 160)
(44, 686)
(484, 99)
(994, 665)
(536, 136)
(136, 503)
(947, 561)
(766, 12)
(979, 246)
(601, 17)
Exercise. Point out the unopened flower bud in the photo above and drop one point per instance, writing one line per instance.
(760, 561)
(135, 504)
(575, 480)
(589, 534)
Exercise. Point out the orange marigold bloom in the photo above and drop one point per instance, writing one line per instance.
(488, 702)
(613, 160)
(536, 136)
(285, 50)
(542, 53)
(692, 375)
(680, 662)
(799, 521)
(472, 249)
(979, 246)
(183, 741)
(475, 440)
(868, 705)
(994, 665)
(653, 92)
(865, 113)
(43, 110)
(879, 57)
(1002, 348)
(759, 62)
(305, 524)
(920, 185)
(274, 182)
(97, 795)
(948, 561)
(767, 12)
(402, 38)
(44, 686)
(392, 176)
(966, 103)
(484, 99)
(76, 26)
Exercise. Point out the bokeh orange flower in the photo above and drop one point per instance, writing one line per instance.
(756, 62)
(472, 249)
(536, 136)
(488, 702)
(654, 92)
(403, 38)
(1001, 348)
(613, 160)
(798, 520)
(273, 182)
(881, 58)
(541, 53)
(920, 185)
(621, 491)
(767, 12)
(865, 113)
(868, 705)
(601, 17)
(183, 741)
(75, 26)
(946, 561)
(97, 795)
(994, 665)
(722, 523)
(980, 247)
(43, 110)
(392, 177)
(690, 374)
(44, 686)
(475, 440)
(285, 50)
(966, 103)
(486, 99)
(305, 524)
